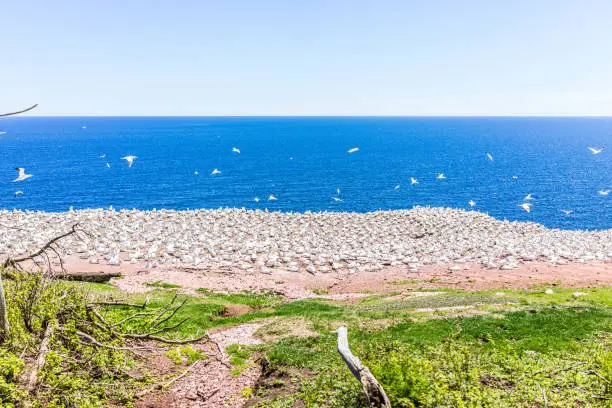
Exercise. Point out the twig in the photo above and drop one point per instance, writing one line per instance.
(148, 335)
(165, 319)
(168, 341)
(105, 303)
(21, 111)
(158, 387)
(596, 374)
(119, 323)
(543, 395)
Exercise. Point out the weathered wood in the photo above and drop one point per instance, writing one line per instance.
(374, 392)
(98, 277)
(42, 356)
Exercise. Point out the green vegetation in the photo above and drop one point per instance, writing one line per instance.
(451, 349)
(164, 285)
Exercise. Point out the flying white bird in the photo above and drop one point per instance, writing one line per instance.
(337, 191)
(526, 206)
(18, 193)
(272, 197)
(567, 212)
(396, 187)
(197, 173)
(256, 199)
(108, 165)
(22, 175)
(236, 150)
(441, 176)
(413, 180)
(472, 203)
(489, 156)
(353, 150)
(291, 158)
(528, 197)
(103, 155)
(215, 171)
(596, 151)
(129, 159)
(336, 198)
(83, 127)
(604, 192)
(2, 133)
(515, 177)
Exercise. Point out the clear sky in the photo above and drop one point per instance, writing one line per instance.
(315, 57)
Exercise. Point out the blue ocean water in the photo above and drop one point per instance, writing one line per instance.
(303, 161)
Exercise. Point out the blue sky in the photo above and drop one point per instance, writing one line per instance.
(291, 57)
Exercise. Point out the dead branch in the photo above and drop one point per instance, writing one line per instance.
(159, 387)
(168, 341)
(42, 356)
(374, 392)
(165, 319)
(127, 319)
(164, 309)
(49, 246)
(21, 111)
(107, 303)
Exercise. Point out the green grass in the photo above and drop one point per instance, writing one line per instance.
(164, 285)
(255, 300)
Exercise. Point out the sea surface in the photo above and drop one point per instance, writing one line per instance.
(304, 160)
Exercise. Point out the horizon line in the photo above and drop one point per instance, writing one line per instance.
(543, 115)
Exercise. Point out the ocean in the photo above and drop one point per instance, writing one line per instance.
(303, 161)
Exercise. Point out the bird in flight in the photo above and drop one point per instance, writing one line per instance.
(2, 133)
(108, 165)
(528, 197)
(236, 150)
(567, 212)
(129, 159)
(396, 187)
(515, 177)
(604, 192)
(337, 191)
(18, 193)
(22, 175)
(103, 155)
(256, 199)
(272, 197)
(197, 173)
(526, 206)
(596, 151)
(353, 150)
(336, 199)
(413, 180)
(441, 176)
(215, 171)
(472, 203)
(489, 156)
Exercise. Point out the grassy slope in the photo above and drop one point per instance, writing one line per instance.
(521, 350)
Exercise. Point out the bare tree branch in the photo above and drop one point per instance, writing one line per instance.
(21, 111)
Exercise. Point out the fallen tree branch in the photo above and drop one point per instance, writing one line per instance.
(108, 303)
(167, 341)
(42, 356)
(374, 392)
(159, 387)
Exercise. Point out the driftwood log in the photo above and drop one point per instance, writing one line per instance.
(98, 277)
(375, 394)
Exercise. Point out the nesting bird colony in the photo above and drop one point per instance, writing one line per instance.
(261, 241)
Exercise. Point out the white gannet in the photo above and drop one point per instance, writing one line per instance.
(215, 171)
(2, 133)
(256, 199)
(528, 197)
(567, 212)
(337, 191)
(108, 165)
(526, 206)
(596, 151)
(197, 173)
(515, 177)
(83, 127)
(272, 197)
(22, 175)
(396, 187)
(353, 150)
(18, 193)
(413, 180)
(441, 176)
(103, 155)
(336, 199)
(472, 203)
(236, 150)
(489, 156)
(129, 159)
(604, 192)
